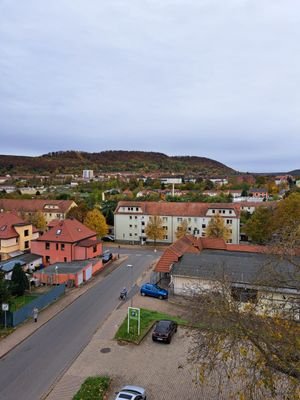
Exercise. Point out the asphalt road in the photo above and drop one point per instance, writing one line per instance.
(29, 371)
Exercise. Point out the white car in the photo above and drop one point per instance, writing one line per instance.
(130, 392)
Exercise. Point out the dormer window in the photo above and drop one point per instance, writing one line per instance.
(58, 232)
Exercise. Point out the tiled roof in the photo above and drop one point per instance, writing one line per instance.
(89, 242)
(35, 205)
(68, 231)
(186, 244)
(183, 209)
(7, 222)
(191, 244)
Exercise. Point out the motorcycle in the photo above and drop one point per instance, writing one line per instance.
(123, 295)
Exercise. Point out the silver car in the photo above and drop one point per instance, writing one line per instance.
(131, 392)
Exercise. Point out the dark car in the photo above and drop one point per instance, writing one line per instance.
(107, 256)
(149, 289)
(108, 238)
(164, 330)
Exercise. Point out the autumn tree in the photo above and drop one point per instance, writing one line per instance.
(250, 356)
(38, 220)
(96, 221)
(182, 229)
(259, 226)
(19, 281)
(154, 229)
(78, 212)
(251, 346)
(216, 228)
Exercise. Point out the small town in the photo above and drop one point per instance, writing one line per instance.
(149, 200)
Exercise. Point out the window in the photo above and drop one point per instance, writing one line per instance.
(65, 259)
(136, 209)
(26, 244)
(130, 234)
(94, 249)
(135, 226)
(230, 211)
(47, 259)
(47, 246)
(58, 216)
(165, 237)
(244, 295)
(135, 217)
(203, 226)
(143, 223)
(56, 246)
(130, 226)
(179, 219)
(213, 211)
(203, 234)
(143, 230)
(62, 247)
(228, 221)
(26, 232)
(130, 217)
(165, 219)
(165, 228)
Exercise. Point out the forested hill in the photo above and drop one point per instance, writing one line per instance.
(109, 161)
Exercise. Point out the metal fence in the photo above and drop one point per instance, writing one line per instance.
(17, 317)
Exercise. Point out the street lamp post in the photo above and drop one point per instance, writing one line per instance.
(130, 266)
(56, 274)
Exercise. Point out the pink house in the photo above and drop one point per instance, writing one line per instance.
(68, 240)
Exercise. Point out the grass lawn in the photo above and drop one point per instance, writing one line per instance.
(148, 318)
(5, 332)
(93, 388)
(20, 301)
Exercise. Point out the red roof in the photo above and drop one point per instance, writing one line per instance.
(186, 244)
(183, 209)
(68, 231)
(55, 206)
(7, 222)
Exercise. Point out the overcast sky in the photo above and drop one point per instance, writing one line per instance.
(211, 78)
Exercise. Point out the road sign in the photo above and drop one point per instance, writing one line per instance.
(135, 315)
(5, 307)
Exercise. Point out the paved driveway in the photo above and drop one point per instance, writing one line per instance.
(162, 369)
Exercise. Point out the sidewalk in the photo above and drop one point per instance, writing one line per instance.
(23, 331)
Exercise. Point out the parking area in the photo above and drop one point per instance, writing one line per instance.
(160, 368)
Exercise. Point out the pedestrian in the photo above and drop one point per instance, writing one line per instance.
(35, 314)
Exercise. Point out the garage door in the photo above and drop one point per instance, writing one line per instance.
(88, 273)
(80, 278)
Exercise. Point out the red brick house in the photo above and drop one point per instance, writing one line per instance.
(69, 240)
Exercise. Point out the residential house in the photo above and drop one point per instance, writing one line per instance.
(28, 261)
(259, 193)
(15, 235)
(283, 180)
(67, 241)
(51, 209)
(132, 217)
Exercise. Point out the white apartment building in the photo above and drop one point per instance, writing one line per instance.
(88, 174)
(132, 217)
